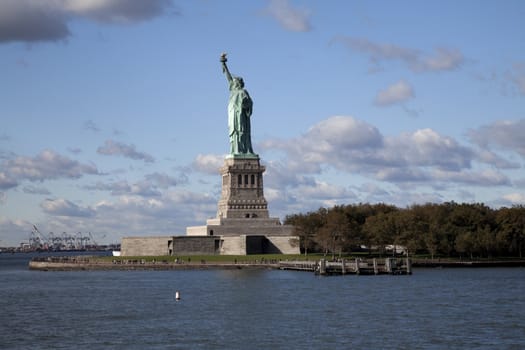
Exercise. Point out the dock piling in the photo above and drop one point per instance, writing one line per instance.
(357, 266)
(388, 266)
(322, 267)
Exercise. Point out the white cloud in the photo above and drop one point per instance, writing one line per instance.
(150, 186)
(162, 180)
(46, 165)
(354, 146)
(380, 51)
(289, 17)
(426, 148)
(36, 190)
(120, 188)
(14, 231)
(412, 167)
(118, 148)
(325, 191)
(169, 213)
(208, 163)
(284, 200)
(32, 20)
(489, 157)
(278, 174)
(343, 132)
(47, 20)
(515, 198)
(75, 150)
(402, 175)
(7, 182)
(126, 215)
(419, 158)
(395, 93)
(441, 60)
(404, 198)
(91, 126)
(63, 207)
(341, 141)
(117, 11)
(288, 190)
(487, 177)
(372, 189)
(506, 135)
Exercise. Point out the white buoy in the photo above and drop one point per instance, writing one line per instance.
(177, 295)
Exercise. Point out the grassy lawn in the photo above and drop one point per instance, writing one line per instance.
(239, 258)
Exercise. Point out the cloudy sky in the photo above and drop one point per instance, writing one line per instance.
(113, 112)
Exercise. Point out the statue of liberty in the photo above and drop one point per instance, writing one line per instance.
(239, 112)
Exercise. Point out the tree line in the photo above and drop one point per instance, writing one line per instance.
(448, 229)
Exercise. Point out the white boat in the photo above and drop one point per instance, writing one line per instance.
(116, 253)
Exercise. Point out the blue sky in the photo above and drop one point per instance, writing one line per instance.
(113, 112)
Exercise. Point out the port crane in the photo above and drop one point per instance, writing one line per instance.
(64, 241)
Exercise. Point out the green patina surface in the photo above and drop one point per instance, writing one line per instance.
(240, 108)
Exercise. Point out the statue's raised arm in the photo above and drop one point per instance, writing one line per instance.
(225, 67)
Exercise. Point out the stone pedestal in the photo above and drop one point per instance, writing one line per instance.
(243, 222)
(242, 189)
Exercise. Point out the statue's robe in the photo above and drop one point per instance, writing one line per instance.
(239, 113)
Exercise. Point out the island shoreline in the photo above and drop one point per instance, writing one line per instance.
(85, 263)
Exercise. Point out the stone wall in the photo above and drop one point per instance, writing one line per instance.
(252, 244)
(197, 230)
(210, 245)
(145, 246)
(184, 245)
(236, 227)
(234, 245)
(283, 245)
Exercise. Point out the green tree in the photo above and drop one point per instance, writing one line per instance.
(473, 224)
(435, 216)
(379, 230)
(465, 244)
(333, 234)
(410, 228)
(511, 227)
(306, 227)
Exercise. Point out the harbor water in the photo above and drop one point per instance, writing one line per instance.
(477, 308)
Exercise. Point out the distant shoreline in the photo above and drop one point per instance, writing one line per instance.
(447, 263)
(80, 263)
(79, 266)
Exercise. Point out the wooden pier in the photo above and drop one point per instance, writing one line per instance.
(358, 266)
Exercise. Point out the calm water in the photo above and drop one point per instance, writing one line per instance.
(432, 309)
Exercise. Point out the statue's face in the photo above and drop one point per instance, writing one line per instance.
(238, 82)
